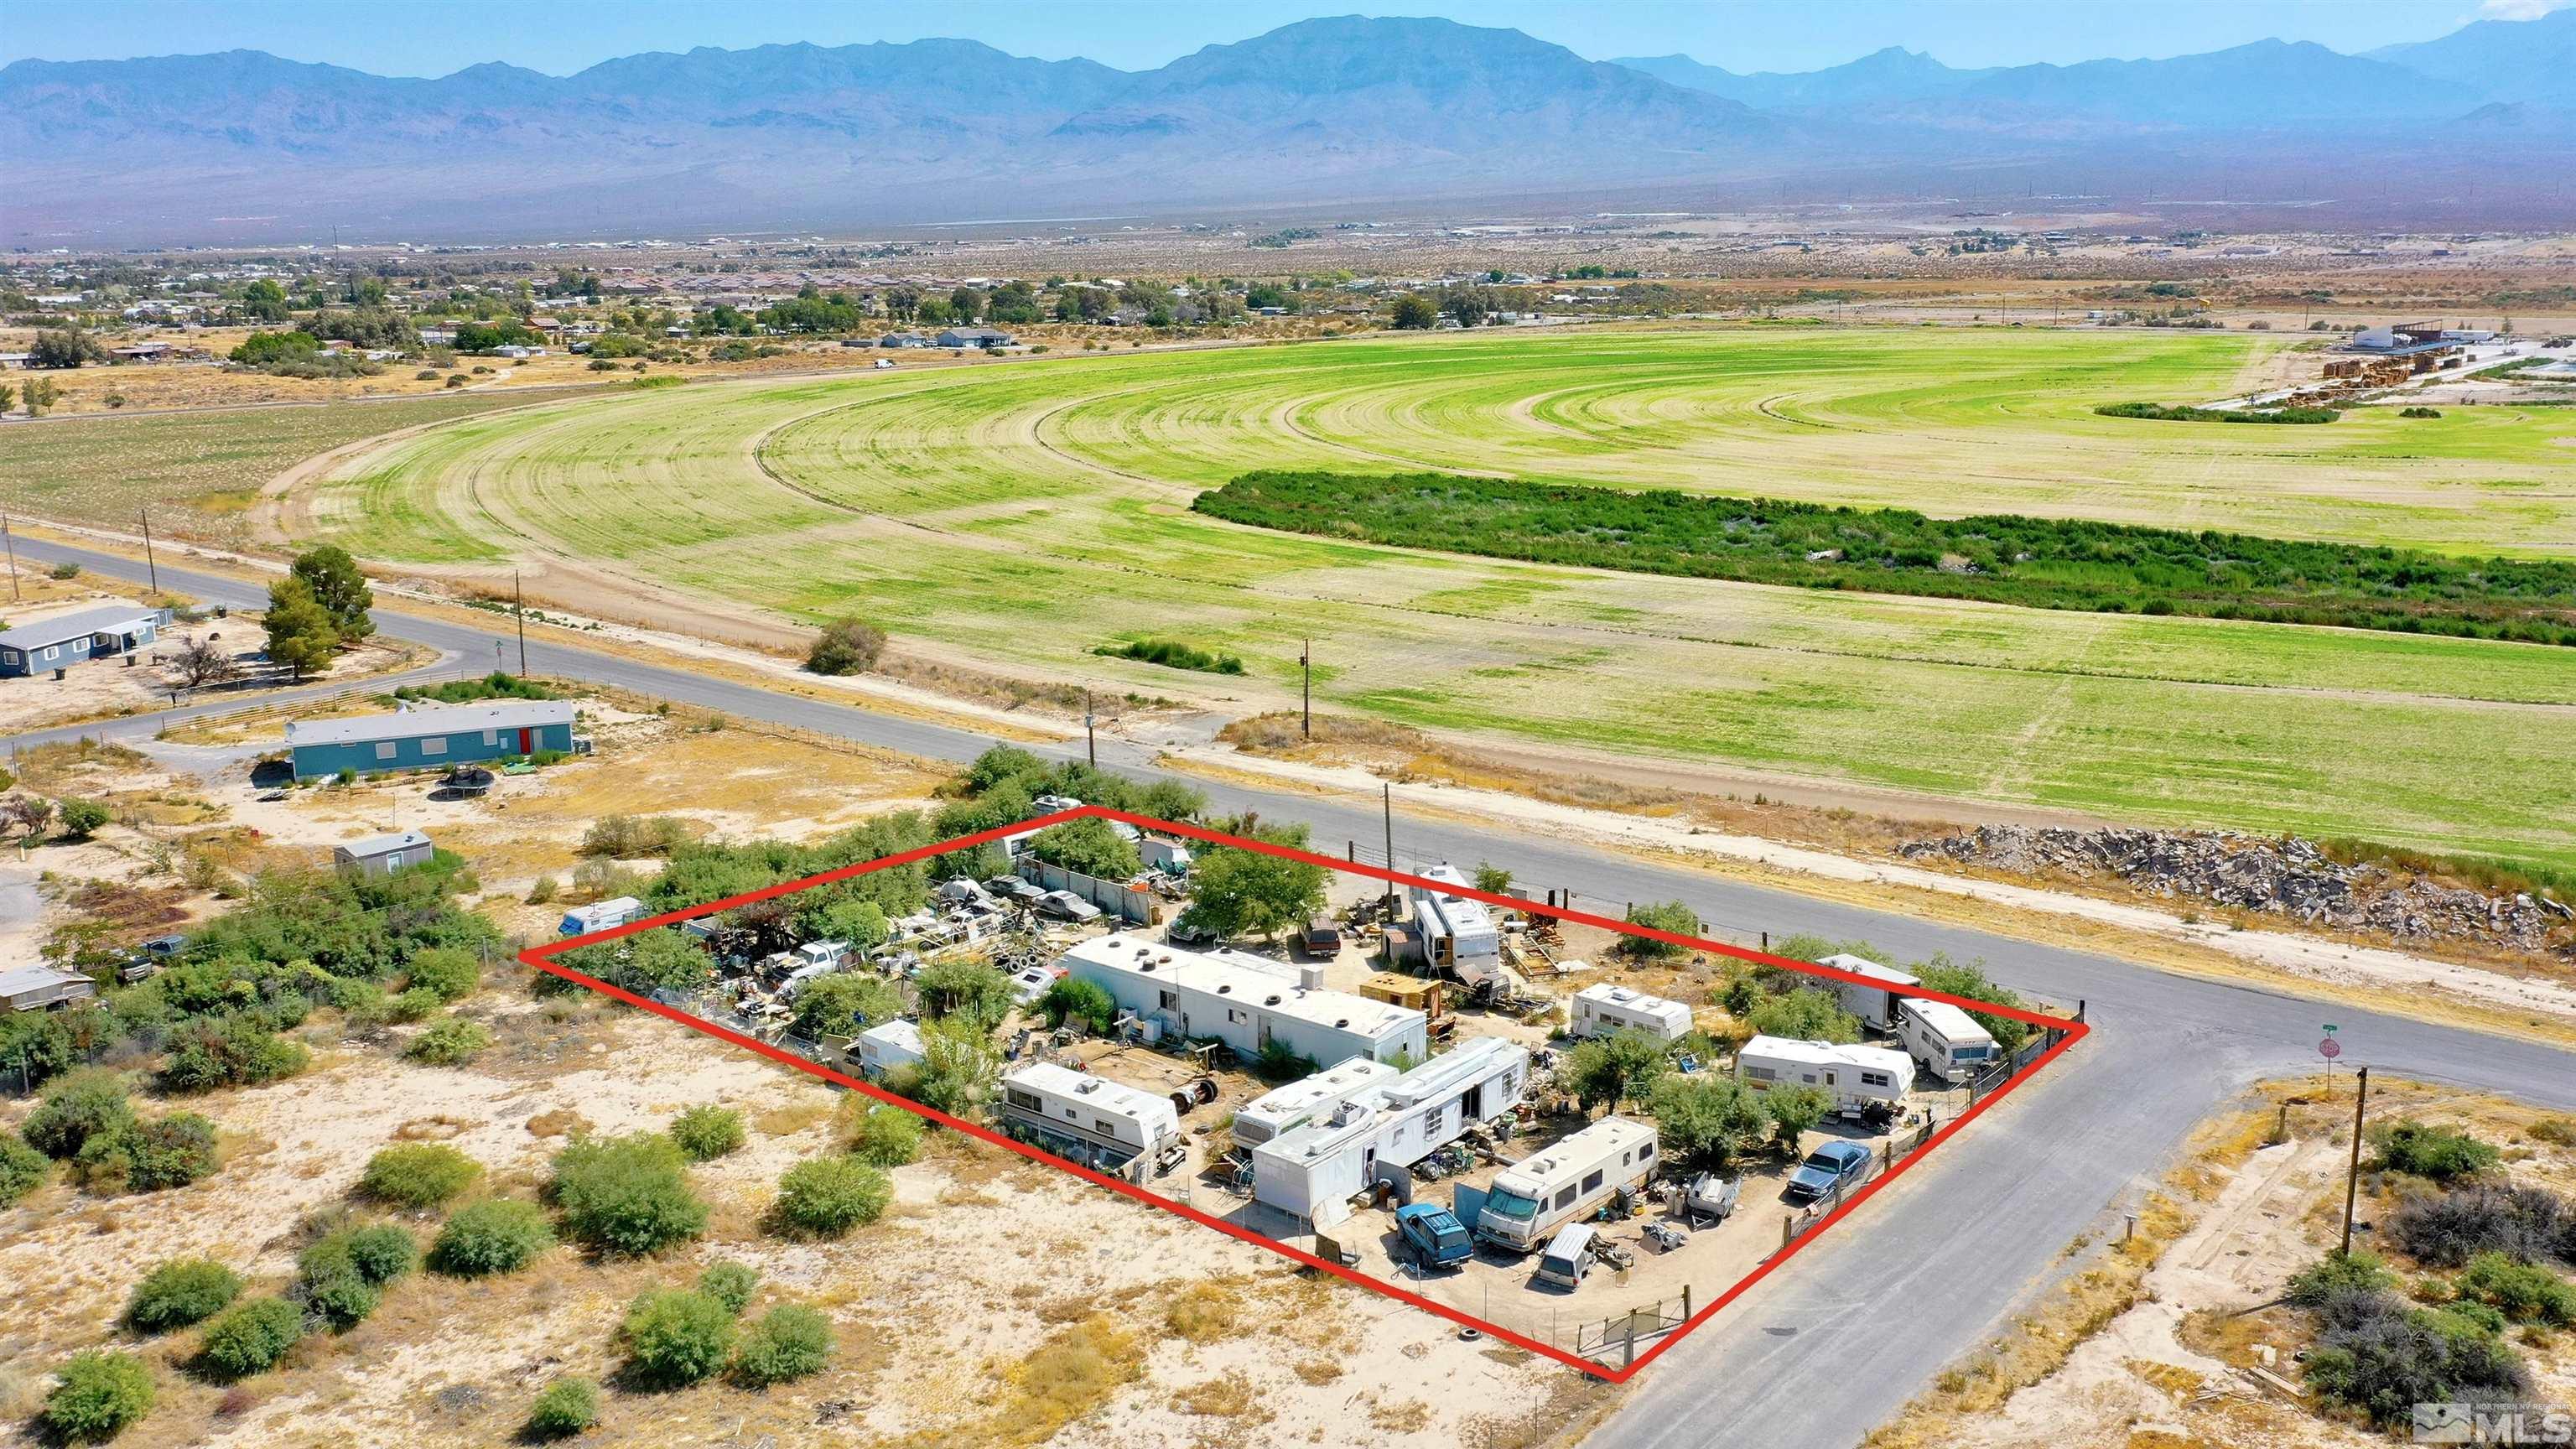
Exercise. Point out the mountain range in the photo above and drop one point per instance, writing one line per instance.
(244, 146)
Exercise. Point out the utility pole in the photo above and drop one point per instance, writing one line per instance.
(519, 607)
(1389, 798)
(2352, 1177)
(1306, 661)
(11, 540)
(151, 567)
(1090, 741)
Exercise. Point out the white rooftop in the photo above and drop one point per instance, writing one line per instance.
(1831, 1054)
(1863, 966)
(79, 623)
(1051, 1080)
(384, 844)
(1948, 1020)
(508, 714)
(1235, 976)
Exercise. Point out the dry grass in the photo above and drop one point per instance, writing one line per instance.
(1074, 1374)
(1230, 1395)
(1207, 1312)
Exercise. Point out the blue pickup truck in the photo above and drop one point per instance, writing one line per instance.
(1432, 1236)
(1827, 1168)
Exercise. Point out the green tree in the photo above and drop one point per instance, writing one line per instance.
(65, 347)
(1492, 878)
(41, 394)
(1705, 1121)
(1087, 845)
(845, 1004)
(1612, 1069)
(1241, 892)
(846, 646)
(76, 1108)
(1794, 1112)
(971, 991)
(450, 972)
(1943, 974)
(300, 632)
(1414, 312)
(1670, 916)
(338, 587)
(101, 1394)
(1806, 1014)
(22, 1169)
(959, 1066)
(1087, 1002)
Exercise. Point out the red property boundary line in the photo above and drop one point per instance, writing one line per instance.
(542, 958)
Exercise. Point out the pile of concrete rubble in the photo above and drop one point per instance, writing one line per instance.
(2283, 876)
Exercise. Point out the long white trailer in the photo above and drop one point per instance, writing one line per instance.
(1248, 1002)
(1104, 1125)
(1287, 1108)
(1458, 934)
(1858, 1078)
(1607, 1007)
(1314, 1170)
(1534, 1197)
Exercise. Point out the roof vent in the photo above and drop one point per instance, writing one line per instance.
(1345, 1021)
(1148, 966)
(1270, 1000)
(1225, 989)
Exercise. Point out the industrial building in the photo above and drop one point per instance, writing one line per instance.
(429, 739)
(1247, 1002)
(67, 639)
(1313, 1171)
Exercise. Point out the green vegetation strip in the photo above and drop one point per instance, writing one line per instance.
(1172, 655)
(2179, 413)
(2035, 562)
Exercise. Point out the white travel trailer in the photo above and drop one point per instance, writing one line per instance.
(1946, 1040)
(888, 1045)
(1104, 1125)
(1534, 1197)
(1313, 1170)
(1860, 1079)
(1458, 935)
(1248, 1002)
(1606, 1007)
(1874, 1005)
(1286, 1108)
(615, 911)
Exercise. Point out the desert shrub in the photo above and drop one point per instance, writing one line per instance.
(627, 1194)
(418, 1003)
(730, 1284)
(149, 1156)
(235, 1051)
(790, 1341)
(846, 646)
(2439, 1153)
(101, 1395)
(340, 1276)
(887, 1136)
(82, 818)
(499, 1235)
(625, 837)
(382, 1252)
(417, 1174)
(446, 971)
(568, 1406)
(2381, 1358)
(674, 1337)
(828, 1196)
(2447, 1229)
(706, 1132)
(1805, 1014)
(2338, 1273)
(449, 1041)
(251, 1337)
(2522, 1292)
(1670, 916)
(22, 1168)
(74, 1109)
(181, 1292)
(538, 894)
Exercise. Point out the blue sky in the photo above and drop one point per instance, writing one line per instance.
(434, 37)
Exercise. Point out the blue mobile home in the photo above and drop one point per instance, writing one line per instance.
(429, 739)
(68, 639)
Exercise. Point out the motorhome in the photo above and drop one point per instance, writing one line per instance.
(1534, 1197)
(1248, 1002)
(886, 1046)
(1287, 1108)
(1946, 1040)
(1605, 1007)
(1861, 1079)
(1313, 1170)
(1104, 1125)
(1875, 1005)
(599, 916)
(1459, 936)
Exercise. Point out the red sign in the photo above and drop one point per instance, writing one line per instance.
(2329, 1049)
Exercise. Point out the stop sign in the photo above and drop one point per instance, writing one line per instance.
(2329, 1049)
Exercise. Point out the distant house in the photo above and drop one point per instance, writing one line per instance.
(903, 339)
(40, 988)
(141, 352)
(67, 639)
(382, 854)
(974, 337)
(429, 739)
(437, 336)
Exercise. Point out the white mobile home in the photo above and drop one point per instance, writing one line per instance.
(1874, 1005)
(1104, 1125)
(1286, 1108)
(1946, 1040)
(1534, 1197)
(888, 1045)
(1314, 1170)
(1606, 1007)
(1248, 1002)
(1458, 934)
(1858, 1078)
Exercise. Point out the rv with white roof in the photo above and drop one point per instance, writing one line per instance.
(1874, 1005)
(1606, 1007)
(1458, 934)
(1104, 1125)
(1534, 1197)
(1287, 1108)
(1312, 1171)
(1860, 1079)
(1946, 1040)
(888, 1045)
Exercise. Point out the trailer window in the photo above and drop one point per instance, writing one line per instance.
(1565, 1199)
(1027, 1100)
(433, 745)
(1104, 1126)
(385, 749)
(1646, 1153)
(1592, 1181)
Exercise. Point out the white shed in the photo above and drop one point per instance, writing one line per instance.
(889, 1045)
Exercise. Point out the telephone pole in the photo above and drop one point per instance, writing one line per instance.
(11, 540)
(1389, 798)
(151, 566)
(519, 607)
(1090, 741)
(1306, 661)
(2352, 1177)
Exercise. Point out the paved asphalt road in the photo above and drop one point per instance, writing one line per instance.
(1827, 1349)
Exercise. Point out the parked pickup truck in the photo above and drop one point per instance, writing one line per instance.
(1827, 1168)
(1432, 1236)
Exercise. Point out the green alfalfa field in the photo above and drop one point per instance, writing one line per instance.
(1034, 513)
